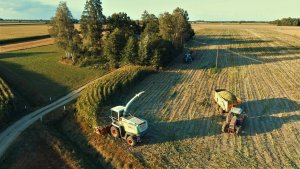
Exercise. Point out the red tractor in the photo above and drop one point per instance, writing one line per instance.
(234, 121)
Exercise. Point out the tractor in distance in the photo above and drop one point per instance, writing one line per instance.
(234, 121)
(126, 126)
(189, 56)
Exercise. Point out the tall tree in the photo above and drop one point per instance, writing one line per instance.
(175, 27)
(122, 21)
(92, 20)
(64, 33)
(130, 52)
(150, 22)
(113, 47)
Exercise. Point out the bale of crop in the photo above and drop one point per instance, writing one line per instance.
(103, 90)
(228, 96)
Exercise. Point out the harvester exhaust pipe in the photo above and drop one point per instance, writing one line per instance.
(131, 100)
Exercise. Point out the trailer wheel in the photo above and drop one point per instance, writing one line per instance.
(225, 127)
(114, 131)
(131, 141)
(237, 131)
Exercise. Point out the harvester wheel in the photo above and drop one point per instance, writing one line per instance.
(237, 131)
(131, 141)
(225, 127)
(114, 131)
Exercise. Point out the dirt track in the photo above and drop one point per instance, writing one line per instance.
(262, 67)
(26, 45)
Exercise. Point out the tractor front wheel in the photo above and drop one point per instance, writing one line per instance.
(131, 141)
(114, 131)
(225, 127)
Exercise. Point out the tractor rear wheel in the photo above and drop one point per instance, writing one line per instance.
(228, 118)
(225, 127)
(114, 131)
(131, 141)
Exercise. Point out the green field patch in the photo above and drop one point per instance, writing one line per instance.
(37, 75)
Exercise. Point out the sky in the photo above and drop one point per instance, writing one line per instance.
(209, 10)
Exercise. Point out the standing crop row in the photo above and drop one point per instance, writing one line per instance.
(106, 88)
(6, 100)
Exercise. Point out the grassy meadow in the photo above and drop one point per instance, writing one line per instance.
(37, 74)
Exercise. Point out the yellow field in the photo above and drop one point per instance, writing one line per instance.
(260, 63)
(22, 31)
(261, 66)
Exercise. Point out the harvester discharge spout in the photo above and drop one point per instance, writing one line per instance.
(131, 101)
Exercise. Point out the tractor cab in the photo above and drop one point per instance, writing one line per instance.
(236, 112)
(117, 112)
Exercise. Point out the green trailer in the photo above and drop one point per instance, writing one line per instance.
(225, 100)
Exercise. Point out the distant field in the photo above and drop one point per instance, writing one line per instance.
(36, 74)
(22, 30)
(289, 30)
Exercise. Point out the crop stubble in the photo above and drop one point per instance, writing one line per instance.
(184, 126)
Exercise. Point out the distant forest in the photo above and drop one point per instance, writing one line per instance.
(287, 22)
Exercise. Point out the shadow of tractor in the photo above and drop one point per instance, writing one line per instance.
(263, 116)
(268, 115)
(164, 131)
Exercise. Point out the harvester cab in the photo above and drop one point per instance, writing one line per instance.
(127, 126)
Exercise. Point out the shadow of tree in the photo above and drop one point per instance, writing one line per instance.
(21, 54)
(230, 57)
(269, 114)
(262, 121)
(270, 106)
(21, 83)
(226, 40)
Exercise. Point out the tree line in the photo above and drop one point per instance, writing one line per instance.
(117, 40)
(287, 22)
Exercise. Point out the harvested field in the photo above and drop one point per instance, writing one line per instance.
(10, 31)
(22, 31)
(256, 63)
